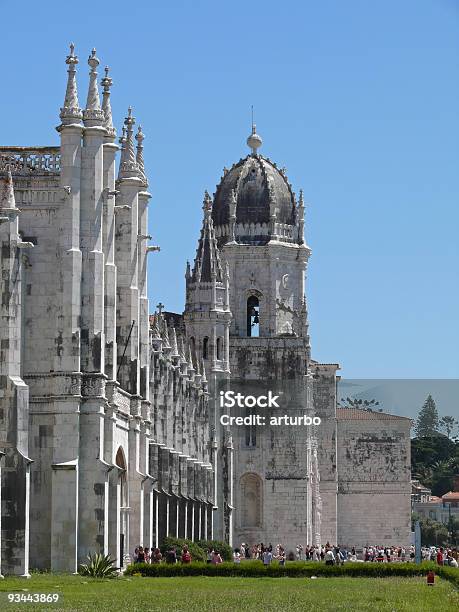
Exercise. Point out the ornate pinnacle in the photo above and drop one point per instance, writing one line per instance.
(232, 203)
(165, 334)
(71, 111)
(190, 358)
(128, 164)
(301, 219)
(174, 346)
(106, 83)
(7, 200)
(93, 115)
(156, 332)
(207, 204)
(122, 138)
(182, 349)
(203, 369)
(301, 200)
(140, 137)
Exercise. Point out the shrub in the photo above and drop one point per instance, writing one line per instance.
(224, 549)
(197, 553)
(449, 573)
(99, 566)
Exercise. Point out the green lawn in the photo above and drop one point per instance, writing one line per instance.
(202, 594)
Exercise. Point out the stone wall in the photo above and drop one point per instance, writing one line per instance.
(374, 479)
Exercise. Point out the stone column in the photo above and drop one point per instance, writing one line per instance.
(126, 258)
(229, 501)
(109, 153)
(64, 526)
(137, 477)
(92, 288)
(144, 324)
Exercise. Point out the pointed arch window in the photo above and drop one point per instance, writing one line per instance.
(251, 500)
(205, 348)
(250, 436)
(253, 316)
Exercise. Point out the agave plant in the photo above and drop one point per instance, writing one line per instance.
(99, 566)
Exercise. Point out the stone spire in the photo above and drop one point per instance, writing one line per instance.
(182, 349)
(106, 83)
(207, 265)
(71, 111)
(140, 137)
(93, 115)
(165, 333)
(190, 358)
(128, 163)
(174, 346)
(156, 332)
(7, 200)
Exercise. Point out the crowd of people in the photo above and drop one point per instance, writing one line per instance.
(172, 555)
(329, 554)
(332, 555)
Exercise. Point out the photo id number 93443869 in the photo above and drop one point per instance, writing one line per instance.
(31, 598)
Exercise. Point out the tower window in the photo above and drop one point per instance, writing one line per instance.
(253, 316)
(205, 347)
(219, 348)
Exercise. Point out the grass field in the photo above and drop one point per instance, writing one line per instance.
(204, 594)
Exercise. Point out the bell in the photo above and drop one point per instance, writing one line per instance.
(256, 319)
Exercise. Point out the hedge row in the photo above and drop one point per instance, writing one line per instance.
(198, 549)
(295, 569)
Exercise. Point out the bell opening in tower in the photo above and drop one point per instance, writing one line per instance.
(253, 317)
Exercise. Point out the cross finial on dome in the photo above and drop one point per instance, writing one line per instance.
(254, 141)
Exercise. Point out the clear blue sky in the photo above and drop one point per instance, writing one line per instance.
(359, 100)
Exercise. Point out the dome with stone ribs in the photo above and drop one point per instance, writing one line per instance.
(252, 190)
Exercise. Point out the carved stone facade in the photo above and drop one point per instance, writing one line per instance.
(110, 431)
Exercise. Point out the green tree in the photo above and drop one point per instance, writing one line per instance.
(358, 403)
(448, 424)
(428, 421)
(435, 461)
(453, 530)
(432, 532)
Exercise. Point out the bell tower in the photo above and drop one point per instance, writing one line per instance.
(259, 229)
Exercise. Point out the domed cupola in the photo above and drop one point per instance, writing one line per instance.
(254, 202)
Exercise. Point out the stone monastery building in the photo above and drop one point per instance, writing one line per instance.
(110, 418)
